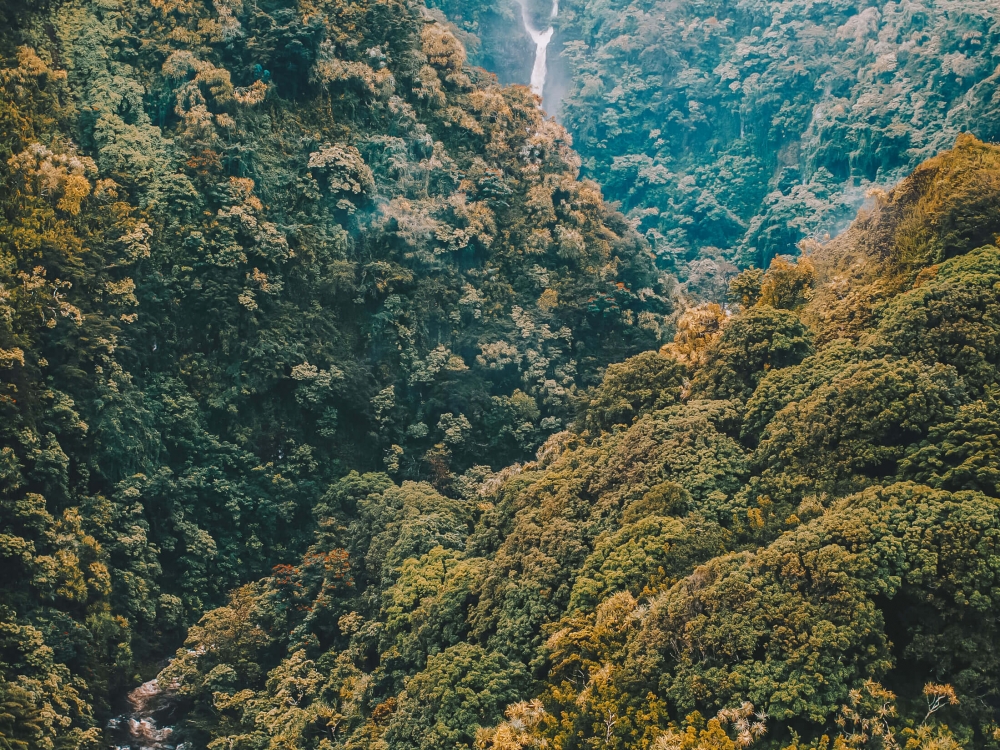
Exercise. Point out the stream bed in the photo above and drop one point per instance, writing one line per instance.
(139, 727)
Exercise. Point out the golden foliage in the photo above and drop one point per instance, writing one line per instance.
(698, 328)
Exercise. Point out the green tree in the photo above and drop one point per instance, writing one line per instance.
(462, 689)
(752, 343)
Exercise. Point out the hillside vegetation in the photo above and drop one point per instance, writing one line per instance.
(244, 248)
(792, 510)
(323, 371)
(782, 529)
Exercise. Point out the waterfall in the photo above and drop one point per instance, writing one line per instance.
(541, 40)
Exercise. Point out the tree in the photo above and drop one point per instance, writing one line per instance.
(462, 689)
(646, 382)
(752, 343)
(854, 430)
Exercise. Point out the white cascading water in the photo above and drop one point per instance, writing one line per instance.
(541, 40)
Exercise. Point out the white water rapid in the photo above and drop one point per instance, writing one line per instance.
(541, 40)
(137, 729)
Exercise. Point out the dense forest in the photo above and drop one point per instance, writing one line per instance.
(335, 395)
(781, 529)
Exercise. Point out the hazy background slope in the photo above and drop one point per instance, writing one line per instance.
(730, 130)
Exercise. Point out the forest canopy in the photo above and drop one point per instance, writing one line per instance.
(780, 529)
(335, 396)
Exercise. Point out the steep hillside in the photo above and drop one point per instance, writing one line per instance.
(780, 530)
